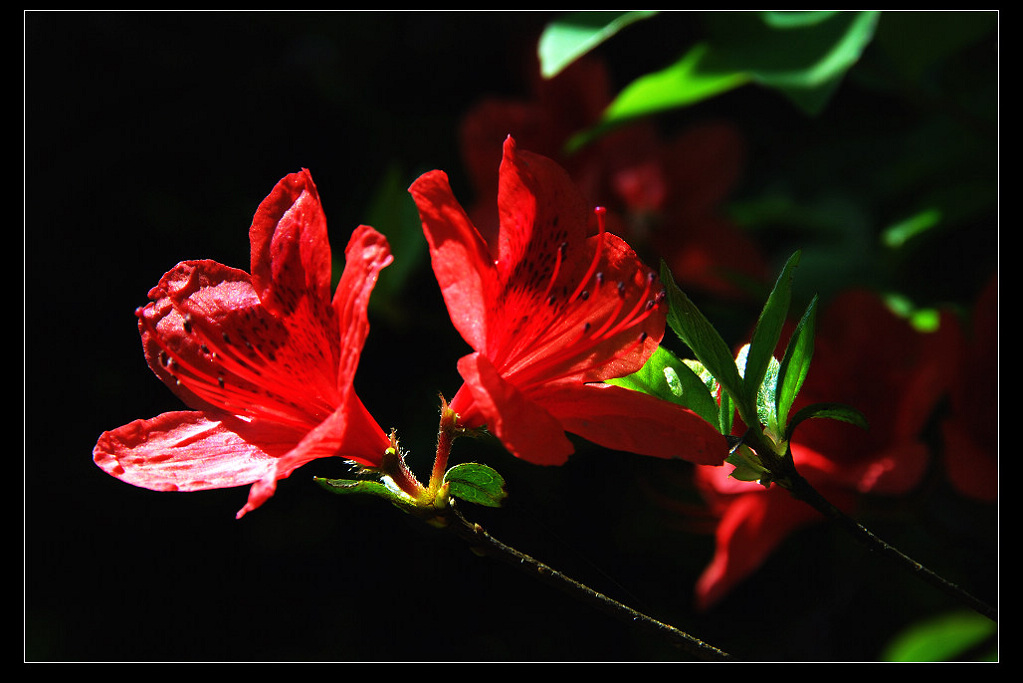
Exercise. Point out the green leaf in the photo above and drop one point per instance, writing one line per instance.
(568, 38)
(393, 212)
(696, 332)
(669, 378)
(835, 411)
(682, 83)
(475, 483)
(945, 638)
(795, 363)
(802, 54)
(765, 395)
(365, 487)
(797, 18)
(767, 331)
(726, 414)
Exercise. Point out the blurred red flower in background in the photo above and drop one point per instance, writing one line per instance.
(970, 431)
(866, 357)
(663, 196)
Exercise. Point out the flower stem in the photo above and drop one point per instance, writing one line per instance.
(446, 433)
(802, 490)
(784, 471)
(484, 543)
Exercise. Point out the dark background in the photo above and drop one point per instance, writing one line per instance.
(150, 138)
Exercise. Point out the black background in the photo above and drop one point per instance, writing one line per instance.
(150, 138)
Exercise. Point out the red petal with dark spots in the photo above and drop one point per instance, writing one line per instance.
(266, 360)
(554, 303)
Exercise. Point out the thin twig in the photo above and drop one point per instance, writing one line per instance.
(483, 541)
(802, 490)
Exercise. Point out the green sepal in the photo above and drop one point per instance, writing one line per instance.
(748, 466)
(834, 411)
(670, 378)
(475, 483)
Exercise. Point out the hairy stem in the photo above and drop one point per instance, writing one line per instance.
(486, 544)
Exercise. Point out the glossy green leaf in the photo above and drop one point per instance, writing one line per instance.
(568, 38)
(946, 638)
(696, 332)
(768, 330)
(764, 400)
(795, 364)
(364, 487)
(475, 483)
(669, 378)
(683, 83)
(834, 411)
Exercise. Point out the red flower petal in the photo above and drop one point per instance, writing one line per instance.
(635, 422)
(188, 451)
(549, 306)
(527, 430)
(267, 360)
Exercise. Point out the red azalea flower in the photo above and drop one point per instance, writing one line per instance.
(551, 310)
(265, 360)
(970, 431)
(664, 196)
(866, 357)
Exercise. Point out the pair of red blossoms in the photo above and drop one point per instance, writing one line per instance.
(266, 361)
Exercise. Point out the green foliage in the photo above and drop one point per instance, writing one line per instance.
(568, 38)
(834, 411)
(392, 211)
(696, 332)
(802, 54)
(475, 483)
(685, 82)
(795, 364)
(765, 335)
(365, 487)
(669, 378)
(946, 638)
(755, 383)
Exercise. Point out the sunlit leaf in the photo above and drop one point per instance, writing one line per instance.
(682, 83)
(669, 378)
(795, 364)
(764, 398)
(475, 483)
(568, 38)
(768, 329)
(364, 487)
(696, 332)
